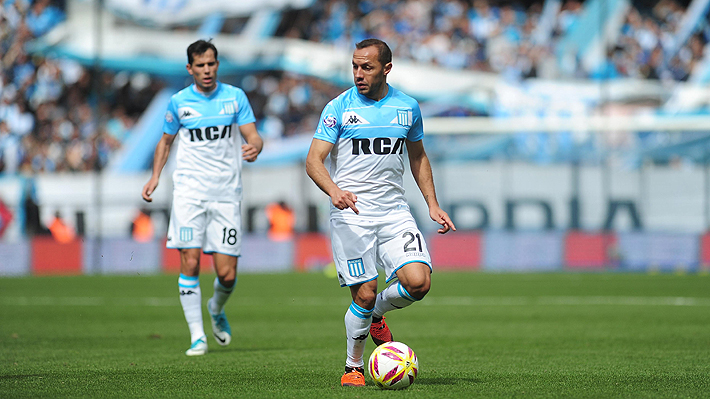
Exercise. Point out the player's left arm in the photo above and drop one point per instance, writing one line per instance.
(254, 143)
(421, 170)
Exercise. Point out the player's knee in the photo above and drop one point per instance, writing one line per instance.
(227, 281)
(190, 266)
(418, 288)
(366, 299)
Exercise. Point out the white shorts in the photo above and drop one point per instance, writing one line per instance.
(214, 226)
(391, 242)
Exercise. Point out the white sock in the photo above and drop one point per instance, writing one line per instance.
(392, 297)
(220, 296)
(357, 328)
(191, 300)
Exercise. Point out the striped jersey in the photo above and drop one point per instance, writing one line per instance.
(369, 138)
(209, 154)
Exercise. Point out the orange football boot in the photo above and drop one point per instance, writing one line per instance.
(353, 377)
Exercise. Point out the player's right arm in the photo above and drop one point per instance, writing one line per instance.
(171, 126)
(162, 151)
(315, 167)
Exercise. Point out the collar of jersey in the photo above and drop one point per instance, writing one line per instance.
(371, 101)
(214, 92)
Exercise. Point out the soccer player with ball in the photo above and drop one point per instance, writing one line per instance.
(365, 130)
(206, 208)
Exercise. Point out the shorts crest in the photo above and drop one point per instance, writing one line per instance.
(356, 267)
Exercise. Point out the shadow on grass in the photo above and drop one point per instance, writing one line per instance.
(448, 381)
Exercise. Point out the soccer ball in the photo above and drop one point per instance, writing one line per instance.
(393, 365)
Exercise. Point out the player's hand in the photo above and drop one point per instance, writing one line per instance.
(345, 199)
(439, 216)
(249, 152)
(149, 188)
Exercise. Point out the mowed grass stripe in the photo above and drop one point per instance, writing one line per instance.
(430, 301)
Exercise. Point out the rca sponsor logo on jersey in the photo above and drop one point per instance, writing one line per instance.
(210, 133)
(187, 113)
(351, 118)
(378, 146)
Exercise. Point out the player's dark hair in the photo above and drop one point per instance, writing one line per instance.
(199, 47)
(384, 54)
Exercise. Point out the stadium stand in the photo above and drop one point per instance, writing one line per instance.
(48, 118)
(513, 41)
(518, 41)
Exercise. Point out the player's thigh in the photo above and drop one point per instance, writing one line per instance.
(401, 243)
(354, 252)
(186, 227)
(224, 230)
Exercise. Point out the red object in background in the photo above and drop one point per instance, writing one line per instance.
(705, 251)
(312, 251)
(50, 257)
(456, 250)
(589, 250)
(171, 260)
(5, 217)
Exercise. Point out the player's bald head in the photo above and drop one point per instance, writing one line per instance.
(384, 54)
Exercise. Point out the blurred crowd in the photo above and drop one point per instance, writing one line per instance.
(57, 115)
(287, 104)
(503, 37)
(647, 45)
(49, 111)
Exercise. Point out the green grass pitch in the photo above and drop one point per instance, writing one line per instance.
(548, 335)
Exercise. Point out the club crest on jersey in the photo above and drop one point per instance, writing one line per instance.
(352, 118)
(329, 120)
(404, 117)
(228, 108)
(187, 113)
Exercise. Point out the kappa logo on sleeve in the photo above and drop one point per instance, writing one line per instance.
(330, 120)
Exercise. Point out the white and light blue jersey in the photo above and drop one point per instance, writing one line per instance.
(369, 139)
(209, 154)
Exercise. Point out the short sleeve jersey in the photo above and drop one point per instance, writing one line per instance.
(209, 160)
(367, 158)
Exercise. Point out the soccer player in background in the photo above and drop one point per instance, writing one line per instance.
(365, 130)
(206, 214)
